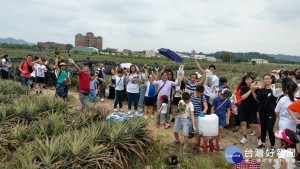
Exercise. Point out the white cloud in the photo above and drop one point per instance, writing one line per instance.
(208, 25)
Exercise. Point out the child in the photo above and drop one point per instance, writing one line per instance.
(119, 76)
(186, 111)
(162, 111)
(93, 93)
(220, 106)
(289, 140)
(200, 107)
(40, 71)
(149, 96)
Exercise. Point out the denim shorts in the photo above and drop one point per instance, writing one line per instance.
(196, 125)
(222, 120)
(93, 95)
(185, 123)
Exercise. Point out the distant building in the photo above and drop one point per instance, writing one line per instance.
(200, 57)
(260, 61)
(193, 52)
(139, 53)
(150, 53)
(210, 59)
(127, 52)
(112, 50)
(84, 49)
(89, 40)
(52, 45)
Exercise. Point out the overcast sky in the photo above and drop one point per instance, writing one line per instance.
(266, 26)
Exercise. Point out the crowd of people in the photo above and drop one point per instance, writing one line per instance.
(258, 103)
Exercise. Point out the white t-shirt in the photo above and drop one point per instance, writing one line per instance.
(188, 109)
(297, 95)
(165, 108)
(209, 90)
(40, 69)
(288, 156)
(285, 120)
(133, 85)
(177, 88)
(119, 82)
(33, 74)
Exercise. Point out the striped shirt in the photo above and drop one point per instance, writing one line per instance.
(197, 102)
(191, 87)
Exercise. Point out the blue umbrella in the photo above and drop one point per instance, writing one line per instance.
(170, 54)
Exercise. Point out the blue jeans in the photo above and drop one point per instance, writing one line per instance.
(24, 80)
(142, 96)
(61, 91)
(133, 96)
(10, 75)
(93, 95)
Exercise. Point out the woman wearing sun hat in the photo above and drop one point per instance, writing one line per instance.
(289, 140)
(62, 76)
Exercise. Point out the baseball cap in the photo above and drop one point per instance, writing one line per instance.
(226, 93)
(163, 98)
(287, 135)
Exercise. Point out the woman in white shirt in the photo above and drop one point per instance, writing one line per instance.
(281, 110)
(133, 80)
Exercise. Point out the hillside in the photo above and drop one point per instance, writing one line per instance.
(14, 41)
(285, 57)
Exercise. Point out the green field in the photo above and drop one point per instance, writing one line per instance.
(232, 71)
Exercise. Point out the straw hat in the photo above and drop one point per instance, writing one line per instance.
(62, 64)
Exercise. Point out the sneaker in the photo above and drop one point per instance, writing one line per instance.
(115, 110)
(136, 113)
(173, 120)
(195, 146)
(261, 147)
(221, 147)
(162, 127)
(167, 125)
(252, 133)
(259, 142)
(185, 151)
(151, 116)
(175, 143)
(145, 117)
(129, 112)
(235, 130)
(272, 150)
(244, 140)
(121, 110)
(102, 99)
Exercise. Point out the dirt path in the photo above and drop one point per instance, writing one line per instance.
(167, 137)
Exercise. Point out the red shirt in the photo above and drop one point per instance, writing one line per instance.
(25, 68)
(238, 96)
(84, 82)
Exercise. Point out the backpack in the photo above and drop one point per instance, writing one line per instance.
(18, 72)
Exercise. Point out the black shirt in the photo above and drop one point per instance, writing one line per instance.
(267, 100)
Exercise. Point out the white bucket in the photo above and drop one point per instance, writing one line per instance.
(208, 125)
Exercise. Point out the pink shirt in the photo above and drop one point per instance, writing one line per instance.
(166, 89)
